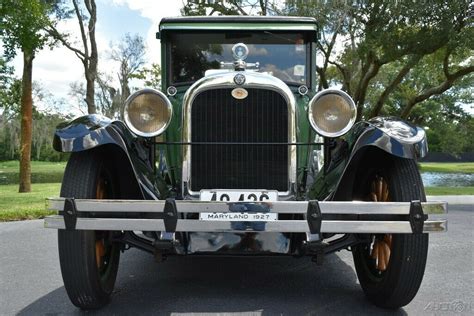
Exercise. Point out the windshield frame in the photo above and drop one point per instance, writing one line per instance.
(308, 67)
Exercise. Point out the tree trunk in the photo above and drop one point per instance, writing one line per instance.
(361, 92)
(263, 7)
(124, 87)
(94, 56)
(323, 82)
(26, 123)
(90, 91)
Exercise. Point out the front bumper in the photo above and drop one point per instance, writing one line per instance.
(312, 217)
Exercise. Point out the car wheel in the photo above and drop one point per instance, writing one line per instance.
(390, 268)
(89, 259)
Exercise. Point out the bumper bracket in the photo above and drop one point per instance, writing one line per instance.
(170, 216)
(314, 217)
(70, 214)
(417, 217)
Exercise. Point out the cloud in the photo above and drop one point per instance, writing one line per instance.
(257, 51)
(153, 11)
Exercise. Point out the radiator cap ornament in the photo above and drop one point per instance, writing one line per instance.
(240, 51)
(239, 79)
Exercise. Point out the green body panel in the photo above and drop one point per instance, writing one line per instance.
(174, 153)
(327, 180)
(304, 134)
(325, 183)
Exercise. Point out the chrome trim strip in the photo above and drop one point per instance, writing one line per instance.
(296, 226)
(226, 80)
(281, 207)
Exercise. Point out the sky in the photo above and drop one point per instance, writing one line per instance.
(56, 69)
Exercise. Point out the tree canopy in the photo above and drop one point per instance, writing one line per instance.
(385, 42)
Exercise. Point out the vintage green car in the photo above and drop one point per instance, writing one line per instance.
(240, 155)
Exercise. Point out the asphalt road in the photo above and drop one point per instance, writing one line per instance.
(31, 284)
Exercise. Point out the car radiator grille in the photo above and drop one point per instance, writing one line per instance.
(217, 117)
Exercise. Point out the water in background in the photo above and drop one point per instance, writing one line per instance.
(437, 179)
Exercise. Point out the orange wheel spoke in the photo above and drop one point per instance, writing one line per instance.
(382, 265)
(385, 192)
(99, 252)
(382, 245)
(386, 252)
(375, 251)
(380, 189)
(388, 240)
(373, 197)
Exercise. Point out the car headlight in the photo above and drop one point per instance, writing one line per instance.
(147, 112)
(332, 113)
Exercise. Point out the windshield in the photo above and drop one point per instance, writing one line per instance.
(283, 55)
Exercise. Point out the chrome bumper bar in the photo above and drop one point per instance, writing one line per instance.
(317, 217)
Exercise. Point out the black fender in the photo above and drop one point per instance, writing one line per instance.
(392, 135)
(132, 154)
(86, 132)
(372, 140)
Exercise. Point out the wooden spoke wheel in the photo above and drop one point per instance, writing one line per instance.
(390, 267)
(89, 259)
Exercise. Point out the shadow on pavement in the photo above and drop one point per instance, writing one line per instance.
(205, 285)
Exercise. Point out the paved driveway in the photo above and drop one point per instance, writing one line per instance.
(31, 283)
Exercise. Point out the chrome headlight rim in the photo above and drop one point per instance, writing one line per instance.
(132, 97)
(349, 125)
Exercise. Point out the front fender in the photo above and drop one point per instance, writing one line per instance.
(91, 131)
(86, 132)
(393, 135)
(388, 134)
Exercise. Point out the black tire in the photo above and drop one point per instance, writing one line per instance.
(89, 280)
(398, 284)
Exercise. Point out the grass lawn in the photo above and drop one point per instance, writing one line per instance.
(41, 172)
(448, 167)
(19, 206)
(36, 166)
(449, 190)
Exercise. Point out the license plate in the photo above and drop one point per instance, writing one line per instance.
(239, 217)
(239, 196)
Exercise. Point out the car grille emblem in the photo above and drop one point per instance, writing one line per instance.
(239, 79)
(239, 93)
